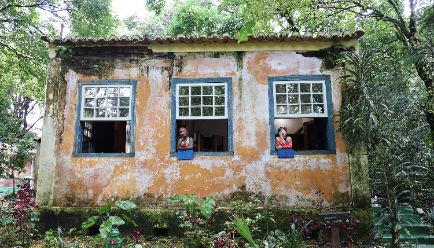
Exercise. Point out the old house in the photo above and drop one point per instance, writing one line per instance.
(114, 108)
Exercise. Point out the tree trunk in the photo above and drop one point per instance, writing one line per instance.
(422, 70)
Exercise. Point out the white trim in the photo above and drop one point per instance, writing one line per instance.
(299, 94)
(105, 97)
(190, 106)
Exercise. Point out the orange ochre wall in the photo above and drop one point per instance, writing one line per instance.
(152, 175)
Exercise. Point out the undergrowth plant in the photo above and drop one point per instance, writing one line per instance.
(24, 213)
(197, 223)
(109, 220)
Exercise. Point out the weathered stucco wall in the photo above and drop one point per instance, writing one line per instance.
(152, 175)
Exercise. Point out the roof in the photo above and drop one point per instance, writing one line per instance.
(215, 38)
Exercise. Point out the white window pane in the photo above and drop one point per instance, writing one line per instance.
(123, 112)
(304, 88)
(89, 92)
(317, 98)
(112, 112)
(100, 113)
(124, 101)
(184, 90)
(207, 100)
(100, 102)
(292, 98)
(196, 112)
(124, 91)
(219, 100)
(220, 111)
(282, 109)
(292, 88)
(306, 109)
(184, 101)
(89, 102)
(318, 109)
(280, 88)
(317, 88)
(281, 99)
(208, 111)
(196, 101)
(113, 91)
(101, 92)
(207, 90)
(88, 112)
(305, 98)
(183, 111)
(294, 109)
(196, 90)
(219, 90)
(112, 102)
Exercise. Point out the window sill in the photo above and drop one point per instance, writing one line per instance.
(205, 154)
(102, 155)
(309, 152)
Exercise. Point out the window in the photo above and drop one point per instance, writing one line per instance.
(303, 105)
(105, 123)
(204, 107)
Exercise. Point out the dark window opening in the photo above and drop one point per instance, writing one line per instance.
(208, 135)
(106, 136)
(306, 133)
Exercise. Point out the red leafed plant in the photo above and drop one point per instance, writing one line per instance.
(23, 211)
(136, 235)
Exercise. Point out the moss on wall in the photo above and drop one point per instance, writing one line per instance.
(359, 178)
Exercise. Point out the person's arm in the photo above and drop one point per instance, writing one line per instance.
(278, 141)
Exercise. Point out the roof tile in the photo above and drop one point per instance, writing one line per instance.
(203, 38)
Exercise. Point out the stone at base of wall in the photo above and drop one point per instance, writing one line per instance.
(156, 221)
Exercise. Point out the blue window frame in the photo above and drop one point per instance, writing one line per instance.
(110, 105)
(182, 94)
(295, 104)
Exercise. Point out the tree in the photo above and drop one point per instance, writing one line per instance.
(195, 17)
(91, 18)
(412, 31)
(15, 147)
(23, 60)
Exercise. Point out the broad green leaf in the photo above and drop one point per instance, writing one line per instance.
(128, 219)
(89, 222)
(190, 202)
(245, 31)
(174, 198)
(105, 208)
(115, 220)
(125, 205)
(207, 206)
(105, 229)
(98, 237)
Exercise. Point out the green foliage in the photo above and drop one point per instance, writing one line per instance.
(109, 220)
(195, 17)
(15, 148)
(245, 31)
(243, 228)
(429, 215)
(291, 239)
(380, 110)
(92, 18)
(190, 203)
(54, 238)
(155, 5)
